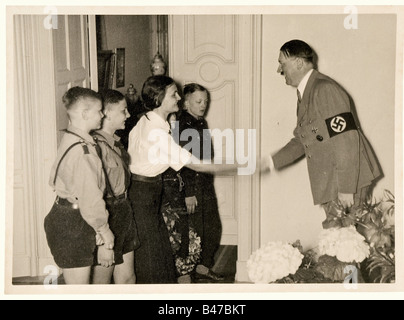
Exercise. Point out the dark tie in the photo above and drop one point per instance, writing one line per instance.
(299, 100)
(109, 190)
(125, 161)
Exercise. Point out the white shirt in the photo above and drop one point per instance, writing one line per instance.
(303, 83)
(152, 148)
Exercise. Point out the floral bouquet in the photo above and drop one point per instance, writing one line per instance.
(346, 244)
(340, 249)
(273, 262)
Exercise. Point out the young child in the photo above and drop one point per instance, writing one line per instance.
(116, 164)
(200, 195)
(79, 214)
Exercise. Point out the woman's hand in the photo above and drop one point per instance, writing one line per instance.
(191, 203)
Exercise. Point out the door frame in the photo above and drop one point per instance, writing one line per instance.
(34, 97)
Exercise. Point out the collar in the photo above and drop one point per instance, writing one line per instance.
(85, 135)
(108, 138)
(156, 119)
(191, 119)
(302, 85)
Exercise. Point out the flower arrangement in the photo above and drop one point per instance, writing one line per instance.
(273, 262)
(346, 244)
(363, 238)
(375, 221)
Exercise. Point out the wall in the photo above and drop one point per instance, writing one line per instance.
(362, 61)
(134, 34)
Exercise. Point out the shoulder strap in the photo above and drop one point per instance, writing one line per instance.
(83, 144)
(64, 155)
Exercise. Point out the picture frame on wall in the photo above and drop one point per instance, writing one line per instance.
(120, 67)
(105, 69)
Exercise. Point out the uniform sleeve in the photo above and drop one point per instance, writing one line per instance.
(90, 193)
(331, 100)
(291, 152)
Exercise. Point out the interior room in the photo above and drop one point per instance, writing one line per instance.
(236, 58)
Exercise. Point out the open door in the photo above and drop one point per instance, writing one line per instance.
(72, 66)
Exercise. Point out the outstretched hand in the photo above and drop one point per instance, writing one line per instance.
(264, 165)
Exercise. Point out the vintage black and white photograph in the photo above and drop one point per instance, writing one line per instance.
(211, 150)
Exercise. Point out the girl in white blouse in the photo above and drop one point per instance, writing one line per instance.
(153, 150)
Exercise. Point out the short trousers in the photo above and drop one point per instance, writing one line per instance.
(70, 238)
(123, 226)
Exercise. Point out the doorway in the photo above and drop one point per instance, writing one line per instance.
(126, 45)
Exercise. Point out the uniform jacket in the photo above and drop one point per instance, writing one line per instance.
(339, 158)
(80, 178)
(116, 162)
(196, 182)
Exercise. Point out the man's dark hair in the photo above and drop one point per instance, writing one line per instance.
(73, 95)
(154, 91)
(299, 49)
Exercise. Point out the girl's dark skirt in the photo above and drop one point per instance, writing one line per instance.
(154, 260)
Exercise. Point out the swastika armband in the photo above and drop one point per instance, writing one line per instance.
(340, 123)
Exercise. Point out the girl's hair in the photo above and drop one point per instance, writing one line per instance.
(111, 97)
(154, 91)
(193, 87)
(75, 94)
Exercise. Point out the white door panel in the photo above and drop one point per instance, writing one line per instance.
(205, 49)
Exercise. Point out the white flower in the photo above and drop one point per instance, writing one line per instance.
(273, 262)
(346, 244)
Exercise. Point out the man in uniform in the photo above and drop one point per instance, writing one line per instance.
(340, 161)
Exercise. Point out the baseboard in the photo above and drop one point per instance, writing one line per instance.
(242, 273)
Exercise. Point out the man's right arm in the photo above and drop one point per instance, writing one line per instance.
(291, 152)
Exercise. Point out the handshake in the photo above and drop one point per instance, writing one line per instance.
(265, 164)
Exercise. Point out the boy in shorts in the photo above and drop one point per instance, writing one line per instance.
(116, 164)
(79, 216)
